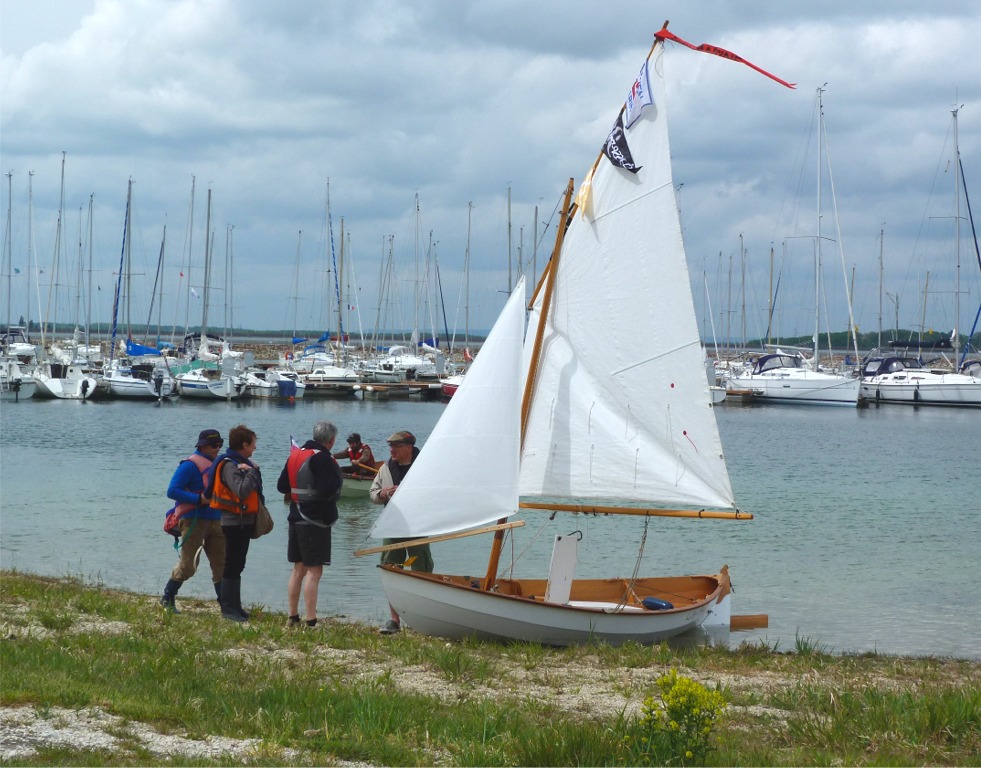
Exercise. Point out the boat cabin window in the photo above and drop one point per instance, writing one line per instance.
(771, 362)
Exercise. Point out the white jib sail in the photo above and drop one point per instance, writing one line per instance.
(467, 473)
(621, 409)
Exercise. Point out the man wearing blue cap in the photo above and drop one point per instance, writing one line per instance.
(199, 525)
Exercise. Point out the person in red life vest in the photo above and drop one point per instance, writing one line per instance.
(360, 455)
(402, 446)
(312, 479)
(236, 492)
(199, 525)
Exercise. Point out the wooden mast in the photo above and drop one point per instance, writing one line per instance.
(548, 281)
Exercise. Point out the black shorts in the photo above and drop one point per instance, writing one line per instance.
(308, 544)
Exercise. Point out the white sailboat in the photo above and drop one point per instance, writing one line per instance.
(901, 378)
(143, 373)
(579, 416)
(787, 377)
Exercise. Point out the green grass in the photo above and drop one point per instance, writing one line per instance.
(345, 693)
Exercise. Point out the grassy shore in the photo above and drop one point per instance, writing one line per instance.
(93, 676)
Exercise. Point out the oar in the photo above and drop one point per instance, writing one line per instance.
(364, 466)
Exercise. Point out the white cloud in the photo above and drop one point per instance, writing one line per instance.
(266, 102)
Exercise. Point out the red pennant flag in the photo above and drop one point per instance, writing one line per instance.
(716, 51)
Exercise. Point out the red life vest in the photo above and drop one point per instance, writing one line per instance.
(298, 470)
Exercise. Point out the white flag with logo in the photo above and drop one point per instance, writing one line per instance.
(638, 98)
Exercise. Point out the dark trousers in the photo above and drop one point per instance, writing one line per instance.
(237, 538)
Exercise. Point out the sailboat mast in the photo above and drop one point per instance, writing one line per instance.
(30, 245)
(7, 253)
(190, 249)
(510, 279)
(548, 283)
(54, 259)
(207, 273)
(956, 340)
(88, 295)
(817, 245)
(882, 236)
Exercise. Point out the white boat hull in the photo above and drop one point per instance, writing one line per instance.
(72, 387)
(138, 388)
(433, 604)
(800, 387)
(940, 389)
(224, 389)
(16, 390)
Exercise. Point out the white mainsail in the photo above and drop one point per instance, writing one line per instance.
(467, 474)
(621, 409)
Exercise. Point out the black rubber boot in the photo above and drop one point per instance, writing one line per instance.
(238, 602)
(218, 591)
(230, 600)
(168, 600)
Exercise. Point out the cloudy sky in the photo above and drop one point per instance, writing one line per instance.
(455, 104)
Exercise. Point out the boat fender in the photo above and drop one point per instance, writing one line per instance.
(653, 604)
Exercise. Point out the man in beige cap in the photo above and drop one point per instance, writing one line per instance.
(402, 446)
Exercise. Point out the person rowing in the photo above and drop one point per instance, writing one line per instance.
(360, 455)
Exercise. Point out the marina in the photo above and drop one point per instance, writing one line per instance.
(859, 543)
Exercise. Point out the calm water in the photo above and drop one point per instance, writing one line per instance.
(866, 537)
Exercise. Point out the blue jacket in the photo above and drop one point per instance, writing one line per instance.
(185, 488)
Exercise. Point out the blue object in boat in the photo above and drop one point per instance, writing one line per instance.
(653, 604)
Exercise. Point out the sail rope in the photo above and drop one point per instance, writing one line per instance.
(633, 576)
(528, 546)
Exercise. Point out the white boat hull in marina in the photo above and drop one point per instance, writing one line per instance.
(224, 388)
(449, 607)
(783, 377)
(15, 385)
(937, 389)
(800, 387)
(139, 382)
(74, 385)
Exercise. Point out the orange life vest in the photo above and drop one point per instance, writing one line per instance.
(225, 499)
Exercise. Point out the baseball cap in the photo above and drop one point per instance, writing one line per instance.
(209, 437)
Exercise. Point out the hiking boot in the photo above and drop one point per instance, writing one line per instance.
(391, 627)
(294, 621)
(169, 602)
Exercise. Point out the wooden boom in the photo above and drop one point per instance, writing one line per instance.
(601, 510)
(442, 537)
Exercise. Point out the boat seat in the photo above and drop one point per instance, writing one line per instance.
(562, 569)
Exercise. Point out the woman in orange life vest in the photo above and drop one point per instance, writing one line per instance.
(312, 480)
(236, 490)
(360, 455)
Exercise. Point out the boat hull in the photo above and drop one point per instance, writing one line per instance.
(948, 389)
(803, 387)
(355, 487)
(223, 389)
(139, 388)
(73, 387)
(455, 608)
